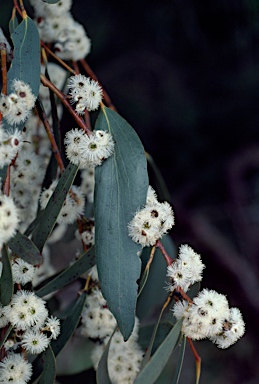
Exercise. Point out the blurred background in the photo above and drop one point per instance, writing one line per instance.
(185, 75)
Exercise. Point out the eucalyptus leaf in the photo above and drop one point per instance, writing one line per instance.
(156, 364)
(49, 367)
(13, 24)
(121, 184)
(5, 333)
(180, 361)
(51, 212)
(82, 265)
(26, 62)
(69, 325)
(102, 374)
(51, 1)
(24, 248)
(6, 280)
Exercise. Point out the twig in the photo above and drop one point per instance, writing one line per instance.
(197, 360)
(168, 259)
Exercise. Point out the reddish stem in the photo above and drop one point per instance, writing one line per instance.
(3, 69)
(64, 101)
(168, 259)
(57, 58)
(197, 360)
(16, 6)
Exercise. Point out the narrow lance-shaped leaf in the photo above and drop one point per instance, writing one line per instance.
(121, 184)
(180, 361)
(51, 1)
(70, 274)
(6, 281)
(51, 212)
(26, 62)
(102, 373)
(49, 367)
(68, 327)
(24, 248)
(156, 364)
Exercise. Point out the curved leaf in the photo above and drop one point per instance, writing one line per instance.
(69, 325)
(26, 62)
(51, 1)
(49, 367)
(70, 274)
(6, 281)
(156, 364)
(180, 361)
(102, 374)
(6, 332)
(121, 184)
(24, 248)
(51, 212)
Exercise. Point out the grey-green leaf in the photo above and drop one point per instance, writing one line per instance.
(51, 1)
(49, 367)
(121, 184)
(69, 325)
(70, 274)
(156, 364)
(180, 361)
(24, 248)
(26, 62)
(102, 374)
(6, 281)
(51, 212)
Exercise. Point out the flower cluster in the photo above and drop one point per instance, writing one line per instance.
(8, 219)
(15, 369)
(56, 25)
(17, 106)
(209, 316)
(98, 323)
(88, 151)
(151, 222)
(28, 315)
(85, 92)
(186, 269)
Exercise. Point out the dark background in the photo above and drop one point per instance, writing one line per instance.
(185, 75)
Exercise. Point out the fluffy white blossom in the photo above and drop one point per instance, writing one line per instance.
(151, 222)
(35, 342)
(23, 272)
(14, 368)
(8, 218)
(186, 269)
(88, 151)
(85, 92)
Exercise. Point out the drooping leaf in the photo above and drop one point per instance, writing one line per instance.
(102, 374)
(121, 184)
(49, 367)
(156, 364)
(51, 212)
(6, 280)
(51, 1)
(69, 325)
(24, 248)
(70, 274)
(180, 361)
(26, 62)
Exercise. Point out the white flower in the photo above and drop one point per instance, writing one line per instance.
(181, 276)
(86, 92)
(14, 368)
(8, 218)
(23, 272)
(35, 342)
(24, 91)
(53, 325)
